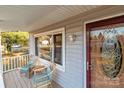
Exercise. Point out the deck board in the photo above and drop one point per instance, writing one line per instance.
(15, 79)
(12, 79)
(20, 79)
(8, 81)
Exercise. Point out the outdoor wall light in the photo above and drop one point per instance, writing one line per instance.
(72, 37)
(45, 42)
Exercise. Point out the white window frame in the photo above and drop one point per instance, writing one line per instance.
(54, 32)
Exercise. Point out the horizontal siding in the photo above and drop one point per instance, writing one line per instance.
(75, 50)
(74, 59)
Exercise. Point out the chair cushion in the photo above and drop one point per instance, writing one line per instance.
(38, 78)
(24, 69)
(30, 63)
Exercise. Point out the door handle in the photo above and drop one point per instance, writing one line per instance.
(89, 66)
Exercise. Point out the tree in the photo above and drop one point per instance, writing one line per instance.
(11, 38)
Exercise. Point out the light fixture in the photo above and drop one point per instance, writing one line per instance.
(72, 37)
(45, 42)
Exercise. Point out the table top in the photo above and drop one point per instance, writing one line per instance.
(38, 68)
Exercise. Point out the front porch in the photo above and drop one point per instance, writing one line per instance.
(12, 76)
(12, 79)
(57, 34)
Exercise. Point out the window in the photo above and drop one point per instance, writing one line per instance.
(51, 47)
(36, 47)
(45, 48)
(58, 48)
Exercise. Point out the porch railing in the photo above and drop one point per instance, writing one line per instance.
(11, 63)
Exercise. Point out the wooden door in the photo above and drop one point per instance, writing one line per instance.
(105, 53)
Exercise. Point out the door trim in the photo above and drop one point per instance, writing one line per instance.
(88, 27)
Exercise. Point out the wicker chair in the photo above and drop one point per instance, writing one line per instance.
(24, 70)
(44, 79)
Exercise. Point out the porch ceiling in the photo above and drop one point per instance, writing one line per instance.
(30, 17)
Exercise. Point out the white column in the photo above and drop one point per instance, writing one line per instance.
(1, 66)
(1, 70)
(31, 44)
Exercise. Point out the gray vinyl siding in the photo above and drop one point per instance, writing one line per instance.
(73, 75)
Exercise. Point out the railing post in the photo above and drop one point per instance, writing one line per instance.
(8, 63)
(11, 63)
(17, 62)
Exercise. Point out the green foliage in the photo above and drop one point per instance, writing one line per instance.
(10, 38)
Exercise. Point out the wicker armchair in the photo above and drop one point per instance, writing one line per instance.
(25, 69)
(44, 79)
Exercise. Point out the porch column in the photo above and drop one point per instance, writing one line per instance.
(1, 70)
(1, 66)
(31, 44)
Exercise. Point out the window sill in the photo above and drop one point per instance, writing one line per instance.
(59, 67)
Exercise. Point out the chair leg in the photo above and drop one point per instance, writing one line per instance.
(50, 85)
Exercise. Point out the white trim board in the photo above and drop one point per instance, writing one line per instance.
(50, 32)
(53, 32)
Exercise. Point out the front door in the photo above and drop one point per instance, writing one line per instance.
(105, 53)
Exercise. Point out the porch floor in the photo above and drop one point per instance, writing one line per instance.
(12, 79)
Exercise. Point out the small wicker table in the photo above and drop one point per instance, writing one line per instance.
(36, 69)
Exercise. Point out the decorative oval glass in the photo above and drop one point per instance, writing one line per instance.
(111, 54)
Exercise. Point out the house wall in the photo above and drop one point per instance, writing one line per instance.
(73, 58)
(75, 71)
(73, 75)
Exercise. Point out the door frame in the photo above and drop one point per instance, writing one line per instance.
(87, 28)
